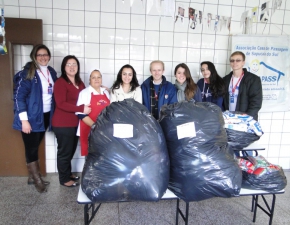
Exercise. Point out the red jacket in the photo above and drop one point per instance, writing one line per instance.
(66, 96)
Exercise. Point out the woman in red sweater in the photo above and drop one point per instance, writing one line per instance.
(64, 121)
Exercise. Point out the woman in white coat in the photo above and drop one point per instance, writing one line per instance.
(126, 85)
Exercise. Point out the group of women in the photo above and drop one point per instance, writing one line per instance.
(210, 88)
(69, 108)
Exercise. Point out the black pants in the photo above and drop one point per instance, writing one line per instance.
(32, 141)
(66, 146)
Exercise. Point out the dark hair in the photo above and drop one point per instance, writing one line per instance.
(33, 65)
(78, 79)
(134, 82)
(216, 83)
(191, 87)
(238, 53)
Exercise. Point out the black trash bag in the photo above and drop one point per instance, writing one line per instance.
(266, 176)
(201, 167)
(238, 140)
(126, 169)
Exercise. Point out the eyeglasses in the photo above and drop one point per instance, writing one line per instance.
(237, 60)
(71, 65)
(42, 55)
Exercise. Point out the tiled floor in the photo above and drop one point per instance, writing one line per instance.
(22, 204)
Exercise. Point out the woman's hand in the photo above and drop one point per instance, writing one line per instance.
(87, 109)
(26, 128)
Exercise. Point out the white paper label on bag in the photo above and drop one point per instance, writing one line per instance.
(123, 130)
(186, 130)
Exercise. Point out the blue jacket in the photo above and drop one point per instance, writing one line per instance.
(167, 94)
(28, 97)
(218, 101)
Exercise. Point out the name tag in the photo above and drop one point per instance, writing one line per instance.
(49, 90)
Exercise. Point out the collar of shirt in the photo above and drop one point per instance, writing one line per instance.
(91, 89)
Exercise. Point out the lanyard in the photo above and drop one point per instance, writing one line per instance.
(234, 87)
(49, 84)
(203, 89)
(157, 94)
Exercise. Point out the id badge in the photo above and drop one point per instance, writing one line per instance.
(49, 89)
(232, 99)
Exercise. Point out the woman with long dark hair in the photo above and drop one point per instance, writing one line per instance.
(186, 88)
(126, 85)
(211, 85)
(33, 108)
(65, 121)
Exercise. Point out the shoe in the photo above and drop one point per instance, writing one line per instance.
(33, 170)
(30, 180)
(43, 181)
(74, 177)
(75, 184)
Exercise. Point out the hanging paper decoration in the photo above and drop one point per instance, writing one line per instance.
(211, 22)
(229, 23)
(216, 22)
(276, 4)
(264, 17)
(192, 17)
(248, 25)
(3, 49)
(209, 18)
(223, 22)
(158, 6)
(180, 14)
(200, 17)
(243, 18)
(149, 5)
(254, 14)
(168, 8)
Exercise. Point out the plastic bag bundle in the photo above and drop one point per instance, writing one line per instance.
(242, 130)
(201, 165)
(264, 175)
(126, 163)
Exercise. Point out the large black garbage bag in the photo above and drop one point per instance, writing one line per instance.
(126, 169)
(201, 167)
(238, 140)
(266, 176)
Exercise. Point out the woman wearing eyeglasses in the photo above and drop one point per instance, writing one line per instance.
(65, 121)
(244, 88)
(211, 85)
(33, 107)
(98, 97)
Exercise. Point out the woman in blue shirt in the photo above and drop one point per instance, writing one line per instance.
(211, 85)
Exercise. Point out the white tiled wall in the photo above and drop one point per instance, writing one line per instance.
(107, 34)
